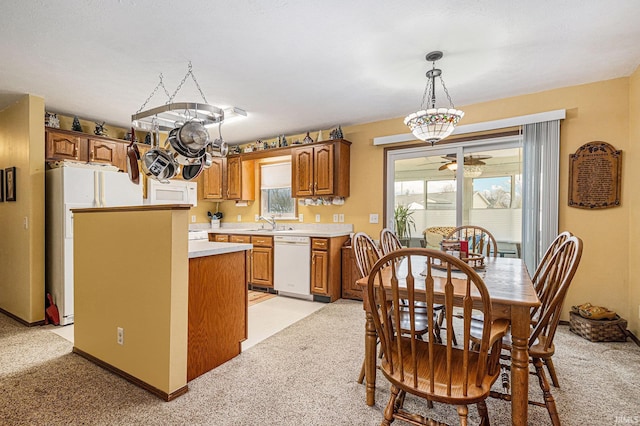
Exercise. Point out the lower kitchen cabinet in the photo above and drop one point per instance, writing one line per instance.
(325, 268)
(262, 261)
(350, 275)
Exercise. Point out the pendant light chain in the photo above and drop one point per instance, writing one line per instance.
(446, 92)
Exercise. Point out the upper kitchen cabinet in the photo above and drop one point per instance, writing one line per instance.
(240, 179)
(213, 180)
(74, 146)
(321, 169)
(107, 152)
(65, 146)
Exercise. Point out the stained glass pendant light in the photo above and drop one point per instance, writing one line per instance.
(433, 124)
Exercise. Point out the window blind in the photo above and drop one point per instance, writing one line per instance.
(275, 175)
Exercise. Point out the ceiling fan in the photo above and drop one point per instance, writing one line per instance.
(469, 160)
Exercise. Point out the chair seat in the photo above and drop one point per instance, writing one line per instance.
(537, 350)
(474, 393)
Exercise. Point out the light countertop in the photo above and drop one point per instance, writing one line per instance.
(201, 248)
(322, 233)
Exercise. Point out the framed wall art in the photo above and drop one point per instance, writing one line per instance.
(595, 172)
(10, 184)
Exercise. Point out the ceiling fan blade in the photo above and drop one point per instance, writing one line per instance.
(445, 166)
(473, 162)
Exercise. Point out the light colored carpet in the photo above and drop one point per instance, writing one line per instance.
(304, 375)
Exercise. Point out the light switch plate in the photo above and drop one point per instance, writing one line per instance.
(257, 217)
(239, 218)
(300, 217)
(317, 218)
(341, 217)
(335, 217)
(193, 218)
(373, 218)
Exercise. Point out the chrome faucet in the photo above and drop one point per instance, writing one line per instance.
(271, 221)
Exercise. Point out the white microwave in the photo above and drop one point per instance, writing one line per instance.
(174, 192)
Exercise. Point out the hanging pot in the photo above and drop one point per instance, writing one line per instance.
(192, 171)
(179, 147)
(218, 148)
(133, 155)
(158, 163)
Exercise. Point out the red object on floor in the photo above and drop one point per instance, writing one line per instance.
(51, 313)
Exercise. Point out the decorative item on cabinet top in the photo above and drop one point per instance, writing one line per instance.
(51, 120)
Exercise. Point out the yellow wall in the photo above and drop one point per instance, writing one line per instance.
(597, 111)
(22, 250)
(633, 201)
(131, 271)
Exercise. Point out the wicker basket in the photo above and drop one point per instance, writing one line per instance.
(599, 330)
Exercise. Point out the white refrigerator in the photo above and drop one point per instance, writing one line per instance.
(69, 187)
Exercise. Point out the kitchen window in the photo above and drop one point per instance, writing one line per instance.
(275, 191)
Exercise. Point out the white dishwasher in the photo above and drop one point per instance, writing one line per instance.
(292, 266)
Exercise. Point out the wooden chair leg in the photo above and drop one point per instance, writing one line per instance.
(484, 414)
(463, 411)
(361, 376)
(549, 402)
(389, 410)
(552, 372)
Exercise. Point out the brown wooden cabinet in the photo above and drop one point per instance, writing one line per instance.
(320, 272)
(219, 238)
(350, 275)
(75, 146)
(64, 146)
(321, 169)
(107, 152)
(326, 267)
(240, 179)
(262, 261)
(213, 179)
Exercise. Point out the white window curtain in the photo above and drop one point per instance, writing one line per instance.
(541, 146)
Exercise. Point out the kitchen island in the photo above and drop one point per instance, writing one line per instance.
(150, 306)
(218, 305)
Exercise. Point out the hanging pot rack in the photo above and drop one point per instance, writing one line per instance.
(170, 113)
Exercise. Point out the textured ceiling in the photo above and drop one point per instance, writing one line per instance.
(304, 65)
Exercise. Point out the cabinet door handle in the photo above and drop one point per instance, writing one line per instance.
(315, 187)
(310, 187)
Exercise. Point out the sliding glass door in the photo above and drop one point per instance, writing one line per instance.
(437, 192)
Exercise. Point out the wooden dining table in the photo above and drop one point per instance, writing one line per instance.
(512, 296)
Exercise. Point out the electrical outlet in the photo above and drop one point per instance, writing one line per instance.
(120, 338)
(341, 217)
(317, 218)
(373, 218)
(239, 218)
(335, 217)
(300, 217)
(257, 217)
(193, 218)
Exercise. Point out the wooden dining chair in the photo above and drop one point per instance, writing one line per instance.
(481, 241)
(366, 255)
(389, 241)
(555, 279)
(538, 284)
(426, 368)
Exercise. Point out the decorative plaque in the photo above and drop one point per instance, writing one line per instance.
(594, 176)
